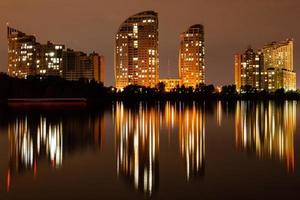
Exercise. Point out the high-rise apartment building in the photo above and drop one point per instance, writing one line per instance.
(279, 63)
(136, 51)
(27, 57)
(249, 70)
(192, 56)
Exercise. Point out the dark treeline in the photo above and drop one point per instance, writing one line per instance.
(56, 87)
(202, 92)
(51, 87)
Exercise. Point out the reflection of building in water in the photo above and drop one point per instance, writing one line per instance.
(219, 113)
(192, 139)
(169, 117)
(26, 146)
(33, 138)
(137, 145)
(267, 129)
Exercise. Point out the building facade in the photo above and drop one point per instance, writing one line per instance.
(238, 71)
(136, 51)
(97, 62)
(192, 56)
(281, 79)
(279, 63)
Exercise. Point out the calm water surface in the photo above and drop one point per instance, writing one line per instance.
(172, 150)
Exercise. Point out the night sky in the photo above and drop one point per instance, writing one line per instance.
(90, 25)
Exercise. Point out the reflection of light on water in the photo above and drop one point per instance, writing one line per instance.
(8, 179)
(169, 119)
(137, 146)
(192, 139)
(219, 113)
(50, 136)
(267, 129)
(54, 144)
(170, 115)
(32, 138)
(26, 147)
(28, 142)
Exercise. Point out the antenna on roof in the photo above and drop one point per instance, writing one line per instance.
(168, 67)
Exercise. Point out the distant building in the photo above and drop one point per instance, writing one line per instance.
(78, 65)
(192, 57)
(97, 62)
(170, 83)
(136, 51)
(279, 63)
(27, 57)
(268, 69)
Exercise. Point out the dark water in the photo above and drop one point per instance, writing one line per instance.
(211, 150)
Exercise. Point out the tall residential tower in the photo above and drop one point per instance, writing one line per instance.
(136, 51)
(192, 56)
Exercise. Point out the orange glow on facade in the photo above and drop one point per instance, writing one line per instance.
(192, 57)
(136, 51)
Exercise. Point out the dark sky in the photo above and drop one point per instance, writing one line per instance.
(87, 25)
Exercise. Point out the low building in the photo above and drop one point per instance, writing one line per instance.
(170, 83)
